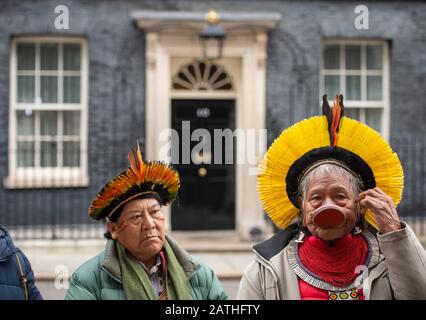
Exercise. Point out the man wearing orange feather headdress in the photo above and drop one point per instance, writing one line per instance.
(332, 184)
(141, 262)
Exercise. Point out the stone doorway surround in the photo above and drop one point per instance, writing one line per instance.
(171, 38)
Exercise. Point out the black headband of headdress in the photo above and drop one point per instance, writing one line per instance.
(352, 161)
(348, 158)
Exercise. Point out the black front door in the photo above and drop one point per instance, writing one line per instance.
(206, 199)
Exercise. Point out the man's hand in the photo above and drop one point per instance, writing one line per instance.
(383, 209)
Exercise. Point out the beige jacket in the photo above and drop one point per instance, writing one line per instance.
(397, 272)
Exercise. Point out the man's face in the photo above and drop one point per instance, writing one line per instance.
(140, 229)
(330, 190)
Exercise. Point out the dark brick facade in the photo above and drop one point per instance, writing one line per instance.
(116, 82)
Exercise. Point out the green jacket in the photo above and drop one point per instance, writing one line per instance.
(100, 277)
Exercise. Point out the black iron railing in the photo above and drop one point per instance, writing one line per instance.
(54, 205)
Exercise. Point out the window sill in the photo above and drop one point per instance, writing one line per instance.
(12, 182)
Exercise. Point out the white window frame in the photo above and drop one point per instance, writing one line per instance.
(363, 103)
(56, 177)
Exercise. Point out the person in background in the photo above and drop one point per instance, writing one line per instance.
(332, 184)
(141, 262)
(16, 275)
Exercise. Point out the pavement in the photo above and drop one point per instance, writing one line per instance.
(49, 291)
(53, 262)
(223, 251)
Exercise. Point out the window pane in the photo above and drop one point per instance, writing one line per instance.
(71, 154)
(331, 57)
(25, 123)
(49, 89)
(48, 123)
(71, 89)
(26, 56)
(352, 113)
(353, 87)
(374, 57)
(374, 88)
(25, 153)
(49, 56)
(48, 153)
(25, 91)
(71, 123)
(353, 57)
(72, 56)
(373, 118)
(331, 86)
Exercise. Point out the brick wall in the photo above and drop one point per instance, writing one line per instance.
(116, 79)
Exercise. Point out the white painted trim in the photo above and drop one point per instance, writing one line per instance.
(48, 106)
(335, 72)
(186, 94)
(248, 55)
(157, 21)
(362, 104)
(386, 92)
(348, 41)
(48, 177)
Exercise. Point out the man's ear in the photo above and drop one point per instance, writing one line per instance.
(302, 216)
(112, 228)
(299, 201)
(361, 210)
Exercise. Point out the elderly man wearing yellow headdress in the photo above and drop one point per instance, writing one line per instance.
(140, 262)
(332, 184)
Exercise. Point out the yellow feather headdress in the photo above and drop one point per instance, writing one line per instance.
(140, 178)
(331, 136)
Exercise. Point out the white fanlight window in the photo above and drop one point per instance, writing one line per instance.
(48, 113)
(358, 69)
(202, 76)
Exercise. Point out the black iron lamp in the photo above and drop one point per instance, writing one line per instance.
(212, 37)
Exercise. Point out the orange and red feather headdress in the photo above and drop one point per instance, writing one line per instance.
(140, 178)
